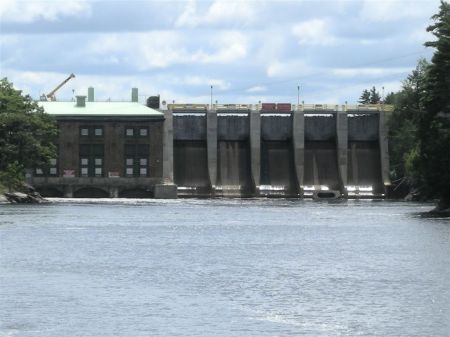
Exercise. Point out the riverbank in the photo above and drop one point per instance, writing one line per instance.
(26, 195)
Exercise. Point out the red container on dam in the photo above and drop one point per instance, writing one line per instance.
(268, 106)
(284, 107)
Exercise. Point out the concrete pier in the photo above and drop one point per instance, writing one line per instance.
(298, 142)
(342, 149)
(168, 147)
(255, 149)
(211, 141)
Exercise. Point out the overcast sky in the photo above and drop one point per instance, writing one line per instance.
(249, 51)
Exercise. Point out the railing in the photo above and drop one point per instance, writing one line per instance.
(200, 107)
(283, 107)
(368, 107)
(317, 107)
(232, 106)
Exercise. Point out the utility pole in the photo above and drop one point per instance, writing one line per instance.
(298, 95)
(211, 97)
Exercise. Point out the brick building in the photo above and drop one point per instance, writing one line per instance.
(105, 149)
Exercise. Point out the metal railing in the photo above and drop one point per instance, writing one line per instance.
(294, 107)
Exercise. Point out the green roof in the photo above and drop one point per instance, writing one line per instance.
(99, 109)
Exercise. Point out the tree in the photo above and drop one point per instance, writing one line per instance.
(375, 97)
(365, 97)
(403, 124)
(27, 134)
(391, 98)
(432, 162)
(12, 177)
(370, 96)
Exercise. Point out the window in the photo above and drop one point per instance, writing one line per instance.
(143, 132)
(53, 167)
(89, 131)
(50, 169)
(129, 132)
(91, 160)
(129, 163)
(98, 132)
(136, 160)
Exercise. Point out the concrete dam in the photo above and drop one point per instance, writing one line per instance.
(276, 151)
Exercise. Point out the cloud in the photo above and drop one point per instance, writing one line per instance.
(248, 49)
(368, 72)
(289, 68)
(257, 88)
(27, 12)
(162, 49)
(228, 46)
(313, 32)
(203, 81)
(219, 12)
(395, 10)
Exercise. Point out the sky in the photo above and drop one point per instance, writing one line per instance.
(248, 50)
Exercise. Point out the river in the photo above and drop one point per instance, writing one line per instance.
(223, 268)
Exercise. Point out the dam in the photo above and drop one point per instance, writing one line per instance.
(129, 150)
(276, 150)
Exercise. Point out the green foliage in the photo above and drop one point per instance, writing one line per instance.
(365, 97)
(370, 96)
(420, 123)
(27, 134)
(12, 177)
(375, 97)
(391, 98)
(433, 132)
(403, 124)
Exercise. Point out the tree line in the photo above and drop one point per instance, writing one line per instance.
(27, 136)
(419, 136)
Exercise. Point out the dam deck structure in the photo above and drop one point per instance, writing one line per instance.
(277, 150)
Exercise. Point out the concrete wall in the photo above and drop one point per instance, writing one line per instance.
(363, 126)
(276, 129)
(320, 127)
(278, 153)
(189, 126)
(234, 126)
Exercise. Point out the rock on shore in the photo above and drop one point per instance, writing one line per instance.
(3, 199)
(23, 198)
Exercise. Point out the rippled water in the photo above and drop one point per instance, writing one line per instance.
(223, 268)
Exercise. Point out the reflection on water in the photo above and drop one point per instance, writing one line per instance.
(133, 267)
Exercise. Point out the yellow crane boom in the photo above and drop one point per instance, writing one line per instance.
(51, 94)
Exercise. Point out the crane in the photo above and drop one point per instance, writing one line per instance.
(51, 94)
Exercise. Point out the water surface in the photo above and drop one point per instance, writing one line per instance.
(223, 268)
